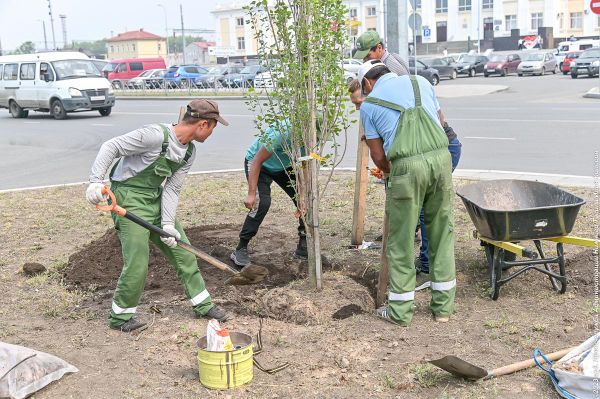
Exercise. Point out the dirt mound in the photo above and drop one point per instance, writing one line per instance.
(580, 271)
(299, 303)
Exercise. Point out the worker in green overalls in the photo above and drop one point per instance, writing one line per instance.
(147, 179)
(403, 127)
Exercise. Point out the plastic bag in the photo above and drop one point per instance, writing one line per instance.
(24, 371)
(217, 338)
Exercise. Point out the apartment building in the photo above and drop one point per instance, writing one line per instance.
(443, 20)
(136, 44)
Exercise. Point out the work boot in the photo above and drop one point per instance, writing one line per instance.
(218, 313)
(423, 281)
(240, 257)
(441, 318)
(129, 325)
(384, 313)
(301, 251)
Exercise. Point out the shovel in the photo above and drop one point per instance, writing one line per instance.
(464, 369)
(250, 274)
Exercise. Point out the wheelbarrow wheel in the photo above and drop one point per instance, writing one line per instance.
(495, 269)
(560, 286)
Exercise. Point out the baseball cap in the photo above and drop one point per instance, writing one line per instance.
(366, 67)
(205, 109)
(365, 43)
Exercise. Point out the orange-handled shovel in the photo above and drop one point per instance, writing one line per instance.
(250, 274)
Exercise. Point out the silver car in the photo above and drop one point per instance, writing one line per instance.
(537, 63)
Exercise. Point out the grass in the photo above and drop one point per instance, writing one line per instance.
(426, 375)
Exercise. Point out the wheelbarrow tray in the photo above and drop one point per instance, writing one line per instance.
(513, 210)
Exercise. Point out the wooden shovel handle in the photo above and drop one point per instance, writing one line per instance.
(511, 368)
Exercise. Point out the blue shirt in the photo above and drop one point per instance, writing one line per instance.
(381, 122)
(275, 141)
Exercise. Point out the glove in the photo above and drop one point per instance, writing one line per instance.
(170, 241)
(94, 193)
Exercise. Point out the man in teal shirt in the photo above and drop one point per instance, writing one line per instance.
(266, 162)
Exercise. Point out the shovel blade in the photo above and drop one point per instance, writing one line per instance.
(251, 274)
(459, 367)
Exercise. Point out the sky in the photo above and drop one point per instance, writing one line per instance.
(21, 20)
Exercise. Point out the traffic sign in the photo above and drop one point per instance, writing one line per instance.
(595, 6)
(222, 51)
(426, 32)
(415, 21)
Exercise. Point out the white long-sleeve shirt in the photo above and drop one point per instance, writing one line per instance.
(138, 149)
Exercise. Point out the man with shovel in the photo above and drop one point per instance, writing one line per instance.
(147, 179)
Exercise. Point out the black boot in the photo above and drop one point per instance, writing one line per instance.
(301, 251)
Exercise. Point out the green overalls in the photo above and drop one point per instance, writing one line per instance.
(420, 176)
(141, 195)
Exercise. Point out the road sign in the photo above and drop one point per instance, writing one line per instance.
(415, 21)
(595, 6)
(426, 33)
(222, 51)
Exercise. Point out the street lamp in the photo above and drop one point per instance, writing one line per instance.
(166, 29)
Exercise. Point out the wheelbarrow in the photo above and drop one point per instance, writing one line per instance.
(506, 212)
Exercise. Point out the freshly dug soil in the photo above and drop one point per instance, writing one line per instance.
(31, 269)
(580, 270)
(98, 265)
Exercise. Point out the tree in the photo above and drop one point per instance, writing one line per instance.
(25, 48)
(95, 47)
(301, 43)
(176, 42)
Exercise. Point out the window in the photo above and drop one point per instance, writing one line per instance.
(136, 66)
(511, 22)
(27, 71)
(122, 68)
(353, 13)
(487, 4)
(441, 6)
(46, 72)
(133, 47)
(464, 5)
(1, 69)
(10, 71)
(240, 21)
(371, 11)
(158, 46)
(191, 70)
(537, 20)
(112, 49)
(576, 20)
(241, 43)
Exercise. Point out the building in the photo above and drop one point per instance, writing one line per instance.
(496, 23)
(197, 52)
(136, 44)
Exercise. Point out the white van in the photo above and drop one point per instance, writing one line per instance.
(573, 45)
(57, 82)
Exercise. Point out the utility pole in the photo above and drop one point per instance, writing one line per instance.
(182, 33)
(63, 20)
(397, 29)
(166, 29)
(52, 25)
(478, 2)
(0, 47)
(45, 39)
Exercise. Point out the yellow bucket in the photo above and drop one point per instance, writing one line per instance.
(229, 369)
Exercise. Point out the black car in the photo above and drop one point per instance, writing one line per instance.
(429, 73)
(445, 65)
(216, 74)
(245, 78)
(587, 63)
(471, 65)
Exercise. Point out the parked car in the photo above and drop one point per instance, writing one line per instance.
(588, 63)
(245, 78)
(349, 76)
(471, 65)
(216, 74)
(118, 72)
(150, 79)
(183, 76)
(431, 74)
(501, 64)
(565, 66)
(351, 65)
(446, 66)
(537, 63)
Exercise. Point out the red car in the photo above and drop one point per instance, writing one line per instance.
(565, 65)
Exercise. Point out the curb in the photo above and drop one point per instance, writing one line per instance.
(594, 92)
(182, 98)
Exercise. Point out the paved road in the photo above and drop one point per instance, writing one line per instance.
(541, 124)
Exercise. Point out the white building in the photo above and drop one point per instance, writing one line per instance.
(446, 20)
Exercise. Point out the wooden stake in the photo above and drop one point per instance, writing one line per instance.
(384, 271)
(360, 188)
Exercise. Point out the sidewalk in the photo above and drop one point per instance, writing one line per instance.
(558, 180)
